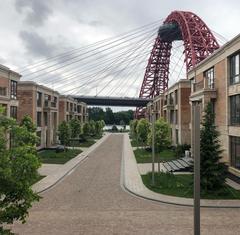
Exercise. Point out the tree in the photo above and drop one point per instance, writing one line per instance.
(96, 113)
(92, 128)
(143, 130)
(212, 171)
(109, 116)
(86, 129)
(133, 128)
(75, 126)
(162, 135)
(102, 124)
(99, 127)
(64, 133)
(18, 170)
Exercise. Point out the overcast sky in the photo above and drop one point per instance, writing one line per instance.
(31, 30)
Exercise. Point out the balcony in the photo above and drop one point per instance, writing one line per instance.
(203, 89)
(197, 86)
(53, 104)
(168, 104)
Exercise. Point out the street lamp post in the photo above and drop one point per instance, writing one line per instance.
(153, 145)
(196, 152)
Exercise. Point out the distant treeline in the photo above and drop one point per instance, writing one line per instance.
(109, 117)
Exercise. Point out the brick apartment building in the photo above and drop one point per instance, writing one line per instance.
(174, 106)
(8, 91)
(70, 108)
(217, 80)
(42, 104)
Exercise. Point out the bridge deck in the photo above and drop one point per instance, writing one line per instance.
(113, 101)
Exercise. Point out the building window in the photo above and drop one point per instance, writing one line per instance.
(39, 119)
(3, 91)
(235, 110)
(39, 99)
(171, 98)
(54, 102)
(234, 69)
(13, 90)
(176, 117)
(172, 116)
(45, 115)
(176, 97)
(176, 133)
(13, 112)
(209, 76)
(67, 106)
(79, 109)
(47, 98)
(235, 151)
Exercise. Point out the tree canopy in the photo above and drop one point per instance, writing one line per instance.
(162, 135)
(143, 128)
(18, 169)
(110, 117)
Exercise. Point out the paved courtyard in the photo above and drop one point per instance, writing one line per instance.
(91, 200)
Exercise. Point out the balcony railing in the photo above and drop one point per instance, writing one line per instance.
(46, 103)
(197, 86)
(53, 104)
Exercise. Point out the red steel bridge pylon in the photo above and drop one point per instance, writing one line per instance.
(198, 41)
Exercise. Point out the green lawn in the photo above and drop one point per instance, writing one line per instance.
(181, 186)
(145, 156)
(86, 143)
(51, 157)
(39, 177)
(134, 143)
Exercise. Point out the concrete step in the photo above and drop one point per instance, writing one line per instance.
(167, 167)
(173, 166)
(178, 164)
(183, 163)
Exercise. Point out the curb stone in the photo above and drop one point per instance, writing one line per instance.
(51, 180)
(132, 182)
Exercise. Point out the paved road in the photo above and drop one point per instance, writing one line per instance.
(91, 201)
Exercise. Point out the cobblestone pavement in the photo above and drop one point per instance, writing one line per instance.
(91, 201)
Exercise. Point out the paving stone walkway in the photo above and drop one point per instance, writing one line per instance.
(91, 200)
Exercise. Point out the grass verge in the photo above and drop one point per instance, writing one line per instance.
(145, 156)
(86, 143)
(135, 143)
(51, 157)
(181, 186)
(39, 177)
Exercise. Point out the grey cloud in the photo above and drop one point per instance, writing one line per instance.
(36, 45)
(36, 11)
(2, 60)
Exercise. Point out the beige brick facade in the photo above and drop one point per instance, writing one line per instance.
(174, 106)
(70, 108)
(8, 90)
(41, 103)
(220, 94)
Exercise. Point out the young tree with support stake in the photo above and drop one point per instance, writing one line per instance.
(75, 126)
(64, 133)
(212, 171)
(143, 128)
(162, 135)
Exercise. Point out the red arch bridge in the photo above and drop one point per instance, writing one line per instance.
(198, 41)
(108, 65)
